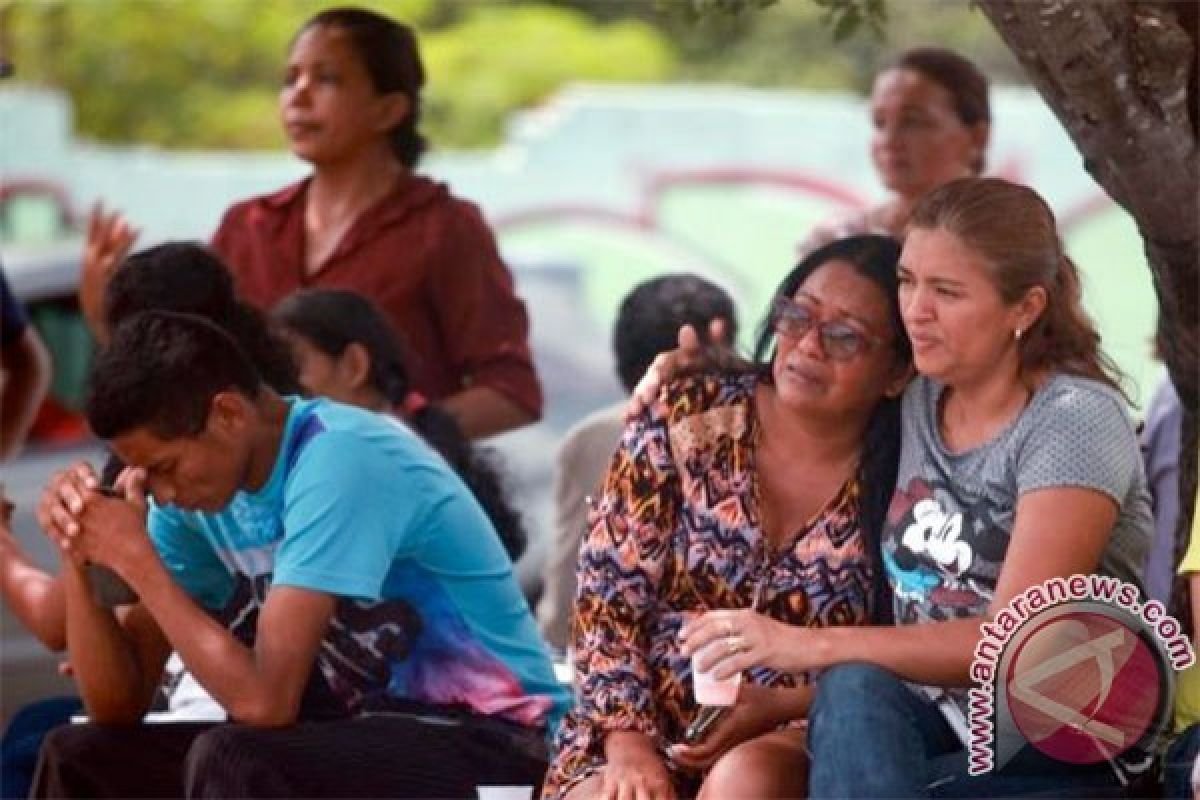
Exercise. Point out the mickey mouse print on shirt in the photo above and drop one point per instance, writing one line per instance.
(941, 559)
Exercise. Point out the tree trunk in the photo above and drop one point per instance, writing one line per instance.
(1121, 76)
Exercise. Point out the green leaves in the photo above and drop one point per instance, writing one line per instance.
(206, 74)
(846, 17)
(501, 58)
(843, 17)
(699, 9)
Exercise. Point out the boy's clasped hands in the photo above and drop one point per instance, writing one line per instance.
(90, 523)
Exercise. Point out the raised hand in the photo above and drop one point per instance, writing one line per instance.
(109, 237)
(692, 355)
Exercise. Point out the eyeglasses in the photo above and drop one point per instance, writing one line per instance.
(840, 340)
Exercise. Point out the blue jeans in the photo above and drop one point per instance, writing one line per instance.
(1181, 755)
(23, 741)
(870, 735)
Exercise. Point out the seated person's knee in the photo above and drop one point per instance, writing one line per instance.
(224, 761)
(772, 765)
(852, 684)
(70, 743)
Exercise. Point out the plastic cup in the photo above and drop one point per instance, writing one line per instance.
(504, 792)
(708, 690)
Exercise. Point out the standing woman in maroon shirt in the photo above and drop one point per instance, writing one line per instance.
(364, 221)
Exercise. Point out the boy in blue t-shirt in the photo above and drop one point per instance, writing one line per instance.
(284, 535)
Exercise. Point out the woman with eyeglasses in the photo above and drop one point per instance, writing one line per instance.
(1019, 465)
(763, 489)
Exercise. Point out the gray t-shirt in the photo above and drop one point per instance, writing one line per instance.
(952, 514)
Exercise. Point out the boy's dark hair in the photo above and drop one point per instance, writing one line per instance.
(160, 371)
(651, 315)
(333, 319)
(188, 278)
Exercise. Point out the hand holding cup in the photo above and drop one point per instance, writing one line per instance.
(724, 643)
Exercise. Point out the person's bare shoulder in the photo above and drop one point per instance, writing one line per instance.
(851, 223)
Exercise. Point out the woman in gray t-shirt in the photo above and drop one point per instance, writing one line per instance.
(1019, 465)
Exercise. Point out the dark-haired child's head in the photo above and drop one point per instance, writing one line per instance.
(175, 395)
(651, 315)
(348, 352)
(345, 348)
(189, 278)
(185, 277)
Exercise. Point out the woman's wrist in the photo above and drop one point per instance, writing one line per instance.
(824, 647)
(619, 743)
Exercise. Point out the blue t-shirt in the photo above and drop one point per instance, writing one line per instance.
(359, 507)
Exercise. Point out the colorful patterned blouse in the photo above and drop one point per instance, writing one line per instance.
(677, 531)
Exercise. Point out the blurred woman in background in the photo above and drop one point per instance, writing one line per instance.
(930, 121)
(364, 220)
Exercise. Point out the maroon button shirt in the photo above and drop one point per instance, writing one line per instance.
(426, 259)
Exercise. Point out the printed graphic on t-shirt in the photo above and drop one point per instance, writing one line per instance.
(420, 647)
(420, 650)
(942, 560)
(240, 613)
